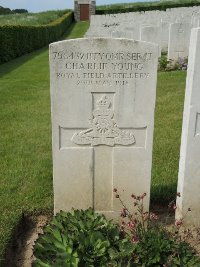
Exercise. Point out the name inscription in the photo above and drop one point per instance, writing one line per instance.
(104, 69)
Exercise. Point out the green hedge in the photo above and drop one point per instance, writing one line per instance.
(120, 8)
(16, 41)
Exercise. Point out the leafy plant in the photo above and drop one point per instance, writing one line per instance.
(81, 238)
(154, 245)
(163, 63)
(169, 65)
(85, 238)
(19, 39)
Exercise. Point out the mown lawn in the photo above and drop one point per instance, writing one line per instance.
(28, 19)
(25, 138)
(167, 135)
(25, 151)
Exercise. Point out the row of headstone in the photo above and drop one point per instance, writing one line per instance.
(187, 15)
(170, 30)
(103, 93)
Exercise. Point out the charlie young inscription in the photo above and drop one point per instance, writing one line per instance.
(110, 69)
(102, 102)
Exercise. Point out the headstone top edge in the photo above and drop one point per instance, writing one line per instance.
(149, 44)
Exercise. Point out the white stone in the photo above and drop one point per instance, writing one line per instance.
(189, 166)
(151, 34)
(103, 98)
(164, 36)
(179, 39)
(129, 34)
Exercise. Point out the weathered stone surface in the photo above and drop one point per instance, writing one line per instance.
(179, 39)
(151, 34)
(164, 36)
(189, 166)
(103, 98)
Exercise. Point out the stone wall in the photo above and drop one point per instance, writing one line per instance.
(76, 11)
(92, 9)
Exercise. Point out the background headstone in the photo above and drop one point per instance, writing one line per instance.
(103, 98)
(151, 34)
(179, 39)
(189, 166)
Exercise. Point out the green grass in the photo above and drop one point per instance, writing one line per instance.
(25, 151)
(167, 135)
(28, 19)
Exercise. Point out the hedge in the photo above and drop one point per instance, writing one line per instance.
(18, 40)
(163, 6)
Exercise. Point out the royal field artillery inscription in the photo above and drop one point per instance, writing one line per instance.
(103, 99)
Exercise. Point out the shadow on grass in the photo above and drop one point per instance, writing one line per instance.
(18, 62)
(163, 194)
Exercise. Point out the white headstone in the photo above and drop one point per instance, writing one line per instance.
(103, 98)
(179, 39)
(164, 36)
(121, 34)
(189, 166)
(151, 34)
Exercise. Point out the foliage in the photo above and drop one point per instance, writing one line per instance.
(4, 10)
(154, 245)
(182, 63)
(85, 238)
(32, 19)
(20, 11)
(145, 6)
(19, 40)
(80, 238)
(163, 63)
(169, 65)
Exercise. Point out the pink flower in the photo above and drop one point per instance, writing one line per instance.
(174, 207)
(124, 213)
(131, 225)
(153, 216)
(133, 196)
(122, 228)
(143, 195)
(178, 222)
(135, 240)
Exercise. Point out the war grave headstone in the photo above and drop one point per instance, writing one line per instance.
(164, 36)
(103, 94)
(151, 34)
(122, 33)
(179, 39)
(189, 165)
